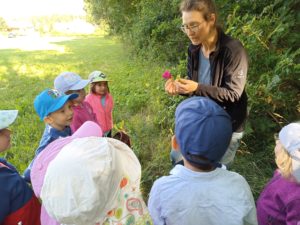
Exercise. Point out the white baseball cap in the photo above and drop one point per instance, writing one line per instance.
(69, 81)
(289, 137)
(7, 117)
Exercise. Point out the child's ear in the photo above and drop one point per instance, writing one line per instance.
(48, 120)
(174, 143)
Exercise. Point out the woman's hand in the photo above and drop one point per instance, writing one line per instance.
(171, 87)
(185, 86)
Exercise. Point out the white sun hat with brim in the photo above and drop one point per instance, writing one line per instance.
(85, 183)
(42, 161)
(7, 117)
(69, 81)
(289, 137)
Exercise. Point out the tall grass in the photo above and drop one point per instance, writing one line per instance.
(141, 106)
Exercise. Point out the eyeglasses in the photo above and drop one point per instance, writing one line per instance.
(194, 28)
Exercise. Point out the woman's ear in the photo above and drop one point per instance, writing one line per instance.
(212, 18)
(174, 144)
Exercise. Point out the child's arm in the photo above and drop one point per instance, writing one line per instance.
(293, 212)
(17, 200)
(4, 193)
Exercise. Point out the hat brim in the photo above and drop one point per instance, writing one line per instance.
(10, 117)
(80, 85)
(115, 161)
(88, 129)
(62, 101)
(98, 79)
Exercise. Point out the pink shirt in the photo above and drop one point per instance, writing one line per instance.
(103, 113)
(82, 113)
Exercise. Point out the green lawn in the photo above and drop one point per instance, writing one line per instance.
(141, 105)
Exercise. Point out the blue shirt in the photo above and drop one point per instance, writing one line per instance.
(204, 76)
(202, 198)
(50, 134)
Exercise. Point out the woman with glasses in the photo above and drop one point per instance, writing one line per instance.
(279, 202)
(217, 66)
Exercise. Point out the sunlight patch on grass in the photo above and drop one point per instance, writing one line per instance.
(33, 43)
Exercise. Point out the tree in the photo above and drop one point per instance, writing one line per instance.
(3, 24)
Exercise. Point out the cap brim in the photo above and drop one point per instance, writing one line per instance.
(99, 80)
(62, 101)
(80, 85)
(88, 129)
(7, 118)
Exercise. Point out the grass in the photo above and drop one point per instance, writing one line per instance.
(141, 106)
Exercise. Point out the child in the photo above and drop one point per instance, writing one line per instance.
(98, 180)
(199, 192)
(56, 111)
(279, 202)
(18, 204)
(101, 101)
(69, 83)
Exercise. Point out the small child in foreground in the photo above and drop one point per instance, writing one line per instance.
(279, 202)
(199, 192)
(18, 204)
(98, 180)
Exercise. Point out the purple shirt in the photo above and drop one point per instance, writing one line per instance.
(82, 113)
(279, 202)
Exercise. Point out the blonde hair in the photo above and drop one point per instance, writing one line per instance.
(284, 162)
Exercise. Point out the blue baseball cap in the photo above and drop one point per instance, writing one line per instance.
(202, 129)
(49, 101)
(69, 81)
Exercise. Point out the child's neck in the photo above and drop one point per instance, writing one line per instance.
(77, 104)
(101, 96)
(196, 169)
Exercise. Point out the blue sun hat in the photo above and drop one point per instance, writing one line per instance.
(202, 129)
(50, 100)
(7, 117)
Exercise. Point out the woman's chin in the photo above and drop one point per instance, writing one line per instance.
(195, 42)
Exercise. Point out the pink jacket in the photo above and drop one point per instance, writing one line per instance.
(103, 114)
(82, 113)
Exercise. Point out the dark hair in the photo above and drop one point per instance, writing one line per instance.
(122, 136)
(206, 165)
(92, 86)
(206, 7)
